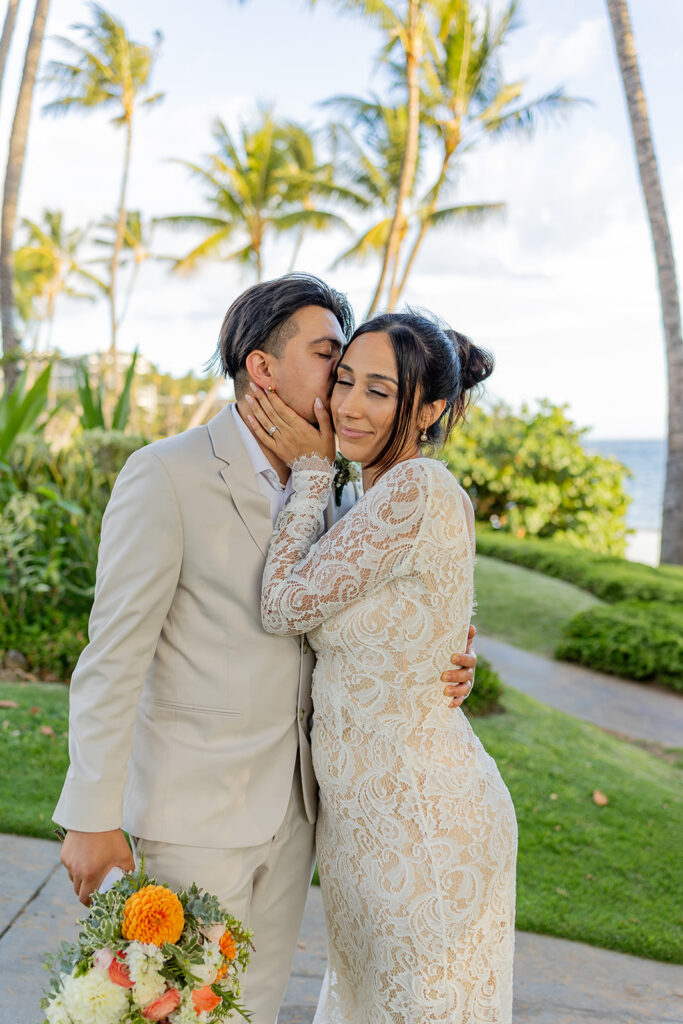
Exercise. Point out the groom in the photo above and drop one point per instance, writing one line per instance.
(189, 725)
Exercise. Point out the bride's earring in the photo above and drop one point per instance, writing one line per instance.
(423, 436)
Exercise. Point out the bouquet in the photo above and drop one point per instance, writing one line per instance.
(146, 953)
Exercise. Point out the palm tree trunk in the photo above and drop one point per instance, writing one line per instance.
(6, 38)
(297, 248)
(672, 517)
(398, 289)
(409, 163)
(15, 164)
(206, 405)
(116, 252)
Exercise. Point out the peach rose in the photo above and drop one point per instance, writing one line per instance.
(118, 972)
(102, 958)
(205, 999)
(162, 1006)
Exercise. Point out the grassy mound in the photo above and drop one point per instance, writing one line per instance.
(608, 577)
(524, 607)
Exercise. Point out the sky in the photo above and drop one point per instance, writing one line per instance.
(562, 287)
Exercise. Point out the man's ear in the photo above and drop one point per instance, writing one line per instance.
(259, 366)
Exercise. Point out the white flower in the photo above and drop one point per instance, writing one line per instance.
(148, 988)
(56, 1011)
(143, 958)
(144, 961)
(213, 960)
(186, 1013)
(94, 999)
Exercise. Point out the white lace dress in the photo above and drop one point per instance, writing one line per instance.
(416, 834)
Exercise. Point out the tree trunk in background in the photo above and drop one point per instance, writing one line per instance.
(6, 37)
(115, 374)
(409, 165)
(15, 164)
(672, 517)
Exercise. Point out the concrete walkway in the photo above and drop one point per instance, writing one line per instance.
(556, 982)
(631, 709)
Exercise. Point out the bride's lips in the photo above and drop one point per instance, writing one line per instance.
(353, 435)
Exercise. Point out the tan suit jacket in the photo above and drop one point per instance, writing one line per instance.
(185, 715)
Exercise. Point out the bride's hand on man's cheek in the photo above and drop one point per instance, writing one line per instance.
(286, 433)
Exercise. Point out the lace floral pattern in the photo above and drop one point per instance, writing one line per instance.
(416, 832)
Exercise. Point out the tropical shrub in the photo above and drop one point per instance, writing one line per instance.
(611, 579)
(51, 645)
(637, 639)
(20, 409)
(528, 474)
(51, 507)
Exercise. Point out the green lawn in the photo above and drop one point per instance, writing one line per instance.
(33, 764)
(524, 607)
(608, 875)
(603, 875)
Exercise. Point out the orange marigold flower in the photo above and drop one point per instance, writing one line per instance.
(154, 914)
(227, 944)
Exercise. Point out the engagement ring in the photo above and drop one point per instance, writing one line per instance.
(272, 430)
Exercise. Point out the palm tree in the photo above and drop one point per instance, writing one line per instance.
(672, 518)
(136, 249)
(406, 27)
(15, 164)
(254, 189)
(312, 178)
(6, 37)
(107, 70)
(373, 156)
(465, 100)
(47, 266)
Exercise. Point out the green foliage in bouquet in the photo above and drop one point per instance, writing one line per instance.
(124, 959)
(529, 474)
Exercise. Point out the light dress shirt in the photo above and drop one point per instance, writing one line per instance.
(277, 493)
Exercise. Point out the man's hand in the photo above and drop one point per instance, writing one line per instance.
(461, 679)
(88, 856)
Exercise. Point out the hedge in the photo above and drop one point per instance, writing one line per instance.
(51, 646)
(637, 639)
(485, 696)
(609, 578)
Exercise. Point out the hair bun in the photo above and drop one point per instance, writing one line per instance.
(476, 364)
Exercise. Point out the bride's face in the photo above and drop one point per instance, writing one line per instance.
(365, 396)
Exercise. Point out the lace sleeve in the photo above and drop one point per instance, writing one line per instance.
(305, 582)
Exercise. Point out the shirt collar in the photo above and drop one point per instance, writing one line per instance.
(256, 454)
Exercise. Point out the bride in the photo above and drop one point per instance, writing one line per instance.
(416, 835)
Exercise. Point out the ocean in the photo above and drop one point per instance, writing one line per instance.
(647, 462)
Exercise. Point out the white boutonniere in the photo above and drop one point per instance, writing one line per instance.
(345, 472)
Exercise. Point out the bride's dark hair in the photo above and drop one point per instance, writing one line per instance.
(433, 362)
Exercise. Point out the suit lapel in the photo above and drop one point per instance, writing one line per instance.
(238, 474)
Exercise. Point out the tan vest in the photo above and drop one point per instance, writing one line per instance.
(186, 716)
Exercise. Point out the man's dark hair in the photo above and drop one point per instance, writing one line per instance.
(261, 318)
